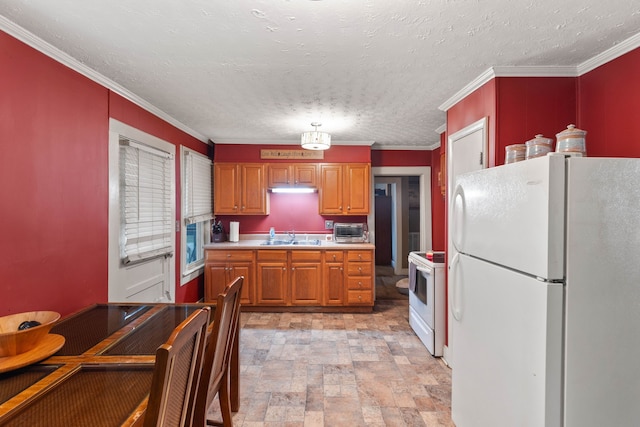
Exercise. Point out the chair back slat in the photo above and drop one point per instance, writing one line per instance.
(215, 371)
(177, 372)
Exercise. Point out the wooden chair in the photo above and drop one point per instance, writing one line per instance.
(215, 378)
(177, 372)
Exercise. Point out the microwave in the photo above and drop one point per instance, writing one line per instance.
(349, 232)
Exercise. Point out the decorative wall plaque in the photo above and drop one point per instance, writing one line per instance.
(291, 154)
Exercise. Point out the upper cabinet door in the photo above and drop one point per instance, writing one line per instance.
(279, 175)
(225, 189)
(331, 187)
(253, 189)
(357, 189)
(305, 175)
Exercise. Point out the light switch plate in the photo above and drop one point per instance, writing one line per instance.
(328, 225)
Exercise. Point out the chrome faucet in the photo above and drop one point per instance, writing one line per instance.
(292, 235)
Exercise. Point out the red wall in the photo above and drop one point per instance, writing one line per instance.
(54, 130)
(608, 106)
(54, 133)
(527, 106)
(401, 158)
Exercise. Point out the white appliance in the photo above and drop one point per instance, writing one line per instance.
(545, 294)
(427, 304)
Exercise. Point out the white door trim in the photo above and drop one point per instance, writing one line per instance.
(424, 174)
(117, 128)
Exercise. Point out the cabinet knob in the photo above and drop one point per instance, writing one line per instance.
(293, 268)
(360, 269)
(360, 297)
(334, 257)
(284, 268)
(360, 256)
(341, 269)
(348, 208)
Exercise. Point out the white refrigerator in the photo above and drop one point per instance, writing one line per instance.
(545, 294)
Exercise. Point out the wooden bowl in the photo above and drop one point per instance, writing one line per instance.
(14, 341)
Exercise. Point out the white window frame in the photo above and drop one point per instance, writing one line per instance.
(197, 208)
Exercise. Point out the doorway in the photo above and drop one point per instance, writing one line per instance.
(395, 178)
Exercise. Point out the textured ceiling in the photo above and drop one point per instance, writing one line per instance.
(261, 71)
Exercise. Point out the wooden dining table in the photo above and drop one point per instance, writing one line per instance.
(101, 376)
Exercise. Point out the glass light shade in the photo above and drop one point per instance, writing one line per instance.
(315, 140)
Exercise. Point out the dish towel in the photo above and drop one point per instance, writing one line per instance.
(412, 277)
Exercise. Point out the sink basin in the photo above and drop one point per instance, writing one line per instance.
(276, 242)
(312, 242)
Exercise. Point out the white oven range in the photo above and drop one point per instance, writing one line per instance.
(427, 306)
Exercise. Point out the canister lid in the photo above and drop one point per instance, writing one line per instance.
(571, 132)
(540, 139)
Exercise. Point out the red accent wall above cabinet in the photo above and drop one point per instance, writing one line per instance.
(608, 106)
(401, 158)
(251, 154)
(527, 106)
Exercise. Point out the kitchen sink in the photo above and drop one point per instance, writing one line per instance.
(276, 242)
(313, 242)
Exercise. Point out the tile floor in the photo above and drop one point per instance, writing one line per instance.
(319, 369)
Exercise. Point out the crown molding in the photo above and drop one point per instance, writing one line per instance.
(469, 88)
(284, 142)
(56, 54)
(441, 129)
(610, 54)
(383, 147)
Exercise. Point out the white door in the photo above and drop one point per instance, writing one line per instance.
(466, 152)
(147, 278)
(508, 347)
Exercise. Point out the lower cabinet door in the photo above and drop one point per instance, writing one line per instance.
(306, 279)
(272, 283)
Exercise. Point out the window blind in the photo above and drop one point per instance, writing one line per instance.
(197, 198)
(145, 202)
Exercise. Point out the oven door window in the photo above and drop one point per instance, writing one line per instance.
(423, 279)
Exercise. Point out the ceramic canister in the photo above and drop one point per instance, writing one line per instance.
(572, 141)
(538, 146)
(514, 153)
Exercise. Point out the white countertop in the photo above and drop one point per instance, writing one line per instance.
(255, 242)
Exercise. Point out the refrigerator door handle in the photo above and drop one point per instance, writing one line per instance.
(457, 216)
(453, 298)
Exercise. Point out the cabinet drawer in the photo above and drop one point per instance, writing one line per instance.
(362, 283)
(333, 256)
(306, 256)
(359, 269)
(359, 256)
(272, 255)
(227, 255)
(359, 297)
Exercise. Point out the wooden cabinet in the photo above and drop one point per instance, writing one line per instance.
(306, 277)
(292, 175)
(345, 189)
(333, 278)
(273, 277)
(360, 271)
(221, 267)
(289, 277)
(240, 189)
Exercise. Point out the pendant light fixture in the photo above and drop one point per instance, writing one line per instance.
(314, 140)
